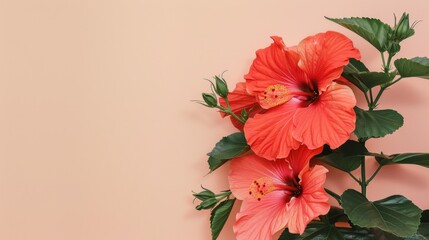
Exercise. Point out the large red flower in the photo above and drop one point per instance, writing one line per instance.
(277, 194)
(303, 102)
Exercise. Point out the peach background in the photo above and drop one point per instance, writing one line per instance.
(98, 137)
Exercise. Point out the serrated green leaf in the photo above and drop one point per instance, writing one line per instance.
(219, 215)
(395, 214)
(373, 30)
(229, 147)
(415, 67)
(347, 157)
(377, 123)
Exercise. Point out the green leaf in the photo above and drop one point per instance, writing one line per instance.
(229, 147)
(424, 224)
(372, 79)
(377, 123)
(395, 214)
(347, 157)
(421, 159)
(350, 73)
(316, 230)
(373, 30)
(415, 67)
(219, 215)
(379, 234)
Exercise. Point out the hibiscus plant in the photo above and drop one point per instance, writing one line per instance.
(296, 113)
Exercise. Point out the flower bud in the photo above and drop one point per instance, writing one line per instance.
(221, 87)
(204, 195)
(403, 30)
(210, 100)
(207, 204)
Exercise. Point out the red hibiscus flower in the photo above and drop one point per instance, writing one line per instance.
(304, 104)
(277, 194)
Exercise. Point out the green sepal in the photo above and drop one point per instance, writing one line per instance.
(373, 30)
(414, 67)
(228, 147)
(347, 157)
(395, 214)
(219, 215)
(376, 123)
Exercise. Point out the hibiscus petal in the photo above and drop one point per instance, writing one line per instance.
(324, 56)
(240, 99)
(299, 159)
(269, 134)
(274, 67)
(259, 220)
(312, 203)
(330, 120)
(245, 170)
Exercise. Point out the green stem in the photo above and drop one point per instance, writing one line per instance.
(354, 178)
(371, 105)
(334, 195)
(384, 62)
(228, 111)
(363, 177)
(387, 67)
(374, 174)
(367, 99)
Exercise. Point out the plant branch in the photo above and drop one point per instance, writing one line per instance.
(374, 174)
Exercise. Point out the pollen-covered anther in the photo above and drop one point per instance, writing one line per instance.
(274, 95)
(261, 187)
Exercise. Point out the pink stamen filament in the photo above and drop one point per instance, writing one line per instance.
(285, 187)
(308, 94)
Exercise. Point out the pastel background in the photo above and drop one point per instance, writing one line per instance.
(98, 137)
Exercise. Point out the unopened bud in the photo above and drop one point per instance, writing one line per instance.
(210, 100)
(403, 29)
(221, 87)
(207, 204)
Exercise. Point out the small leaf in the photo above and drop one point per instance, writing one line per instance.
(421, 159)
(395, 214)
(219, 215)
(350, 73)
(415, 67)
(347, 157)
(377, 123)
(355, 66)
(372, 79)
(227, 148)
(373, 30)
